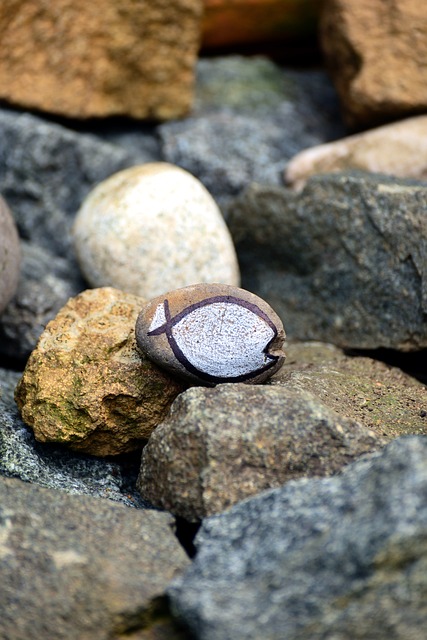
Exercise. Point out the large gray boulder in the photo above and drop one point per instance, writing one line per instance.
(342, 557)
(45, 284)
(46, 170)
(344, 261)
(250, 116)
(74, 567)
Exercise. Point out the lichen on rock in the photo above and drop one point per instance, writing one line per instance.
(86, 384)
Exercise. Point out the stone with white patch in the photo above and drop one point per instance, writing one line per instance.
(212, 333)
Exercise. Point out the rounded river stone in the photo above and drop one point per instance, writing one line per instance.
(10, 255)
(152, 228)
(212, 333)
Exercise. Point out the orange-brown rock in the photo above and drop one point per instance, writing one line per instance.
(235, 22)
(86, 385)
(84, 59)
(376, 51)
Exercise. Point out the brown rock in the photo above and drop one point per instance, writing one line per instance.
(377, 54)
(212, 333)
(79, 568)
(221, 445)
(86, 384)
(10, 255)
(234, 22)
(398, 149)
(82, 59)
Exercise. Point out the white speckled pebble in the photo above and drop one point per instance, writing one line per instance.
(152, 228)
(212, 333)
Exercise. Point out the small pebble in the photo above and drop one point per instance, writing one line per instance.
(10, 255)
(152, 228)
(212, 333)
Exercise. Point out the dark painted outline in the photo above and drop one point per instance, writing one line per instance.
(167, 326)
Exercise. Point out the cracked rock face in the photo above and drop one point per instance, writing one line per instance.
(86, 384)
(344, 261)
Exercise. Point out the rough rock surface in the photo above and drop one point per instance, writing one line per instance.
(150, 229)
(55, 467)
(138, 61)
(255, 115)
(219, 446)
(344, 261)
(75, 567)
(45, 172)
(376, 52)
(10, 255)
(341, 557)
(46, 282)
(381, 397)
(87, 385)
(398, 149)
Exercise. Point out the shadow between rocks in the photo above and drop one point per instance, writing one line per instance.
(185, 532)
(413, 363)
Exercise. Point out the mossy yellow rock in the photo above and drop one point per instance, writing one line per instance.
(86, 385)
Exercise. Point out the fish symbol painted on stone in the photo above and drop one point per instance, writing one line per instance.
(218, 339)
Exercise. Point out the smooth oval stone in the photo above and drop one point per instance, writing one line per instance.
(152, 228)
(10, 255)
(212, 333)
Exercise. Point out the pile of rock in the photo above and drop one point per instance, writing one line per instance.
(310, 488)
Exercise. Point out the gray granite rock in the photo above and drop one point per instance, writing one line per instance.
(138, 138)
(46, 282)
(221, 445)
(46, 170)
(249, 118)
(21, 456)
(74, 567)
(344, 261)
(342, 557)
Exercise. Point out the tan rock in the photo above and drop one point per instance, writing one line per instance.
(398, 149)
(377, 54)
(87, 385)
(219, 446)
(83, 59)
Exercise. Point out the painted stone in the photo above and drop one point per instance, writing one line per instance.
(152, 228)
(212, 333)
(10, 255)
